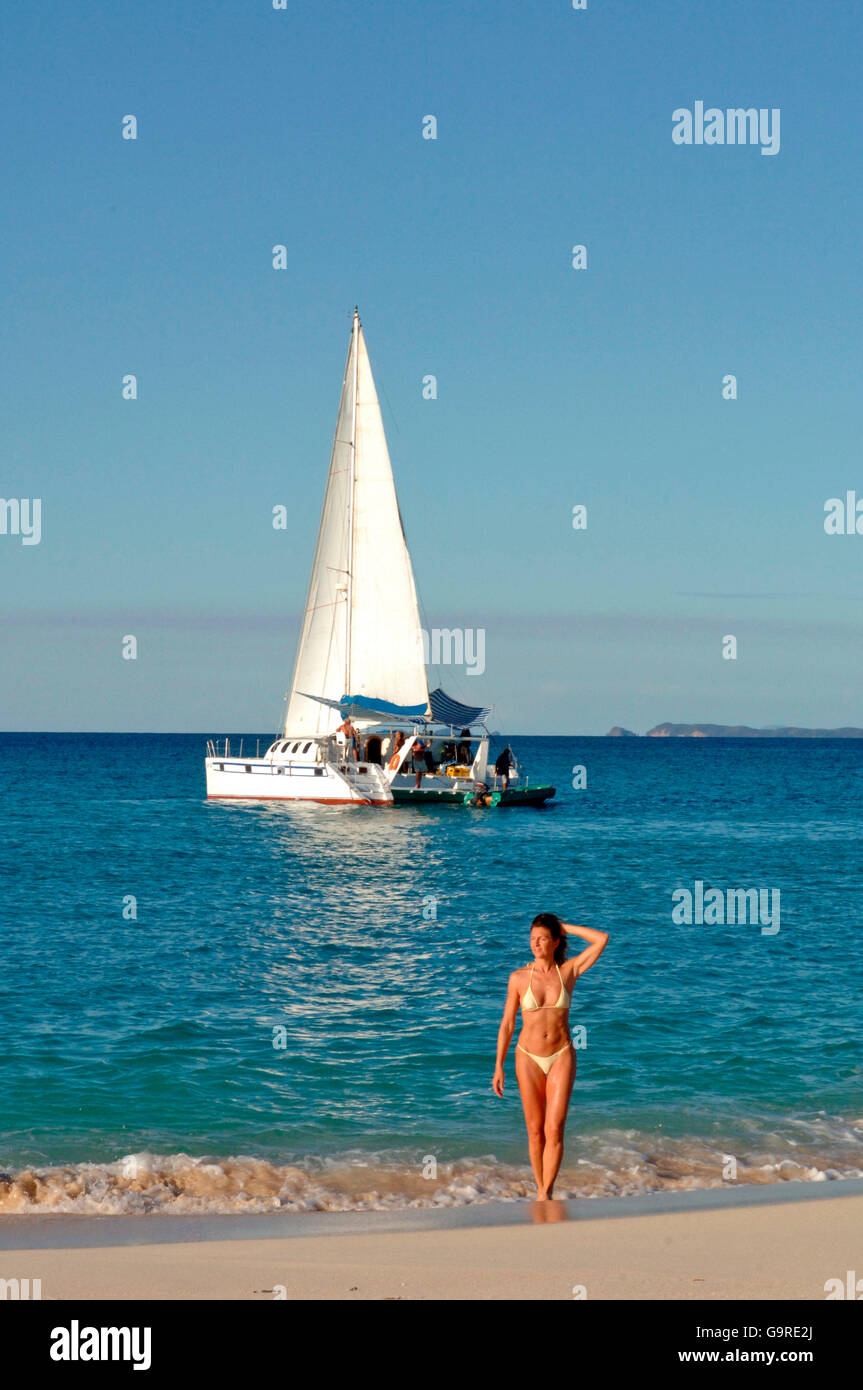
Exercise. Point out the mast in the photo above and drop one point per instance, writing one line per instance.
(350, 594)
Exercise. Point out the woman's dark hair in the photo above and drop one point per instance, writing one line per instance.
(552, 924)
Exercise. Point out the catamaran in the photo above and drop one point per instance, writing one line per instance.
(361, 725)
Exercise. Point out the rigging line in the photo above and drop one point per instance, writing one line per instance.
(316, 606)
(427, 630)
(379, 382)
(455, 679)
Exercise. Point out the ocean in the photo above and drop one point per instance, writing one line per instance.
(223, 1007)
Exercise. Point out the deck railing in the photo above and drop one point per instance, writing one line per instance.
(221, 748)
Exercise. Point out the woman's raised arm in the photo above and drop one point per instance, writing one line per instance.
(590, 955)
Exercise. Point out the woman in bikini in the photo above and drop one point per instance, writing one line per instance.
(545, 1058)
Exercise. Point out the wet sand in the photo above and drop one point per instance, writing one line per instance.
(738, 1248)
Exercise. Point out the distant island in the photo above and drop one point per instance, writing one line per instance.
(732, 731)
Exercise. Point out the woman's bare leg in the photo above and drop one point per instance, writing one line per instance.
(557, 1091)
(531, 1085)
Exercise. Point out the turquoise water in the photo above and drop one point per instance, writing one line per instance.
(138, 1067)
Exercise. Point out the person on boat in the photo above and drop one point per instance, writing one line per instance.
(350, 735)
(545, 1058)
(423, 760)
(464, 755)
(503, 765)
(482, 796)
(447, 753)
(394, 748)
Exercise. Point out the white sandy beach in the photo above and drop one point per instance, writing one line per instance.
(784, 1251)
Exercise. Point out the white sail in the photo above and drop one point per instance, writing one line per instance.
(386, 637)
(321, 662)
(361, 631)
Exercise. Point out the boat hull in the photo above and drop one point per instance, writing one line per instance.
(263, 779)
(437, 795)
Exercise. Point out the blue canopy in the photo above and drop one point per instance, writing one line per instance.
(441, 709)
(365, 704)
(446, 710)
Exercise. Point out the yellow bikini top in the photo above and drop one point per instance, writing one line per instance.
(528, 1003)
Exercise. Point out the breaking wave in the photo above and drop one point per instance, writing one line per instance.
(621, 1164)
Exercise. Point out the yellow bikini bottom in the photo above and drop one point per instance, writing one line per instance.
(544, 1062)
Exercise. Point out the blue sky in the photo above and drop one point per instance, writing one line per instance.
(556, 386)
